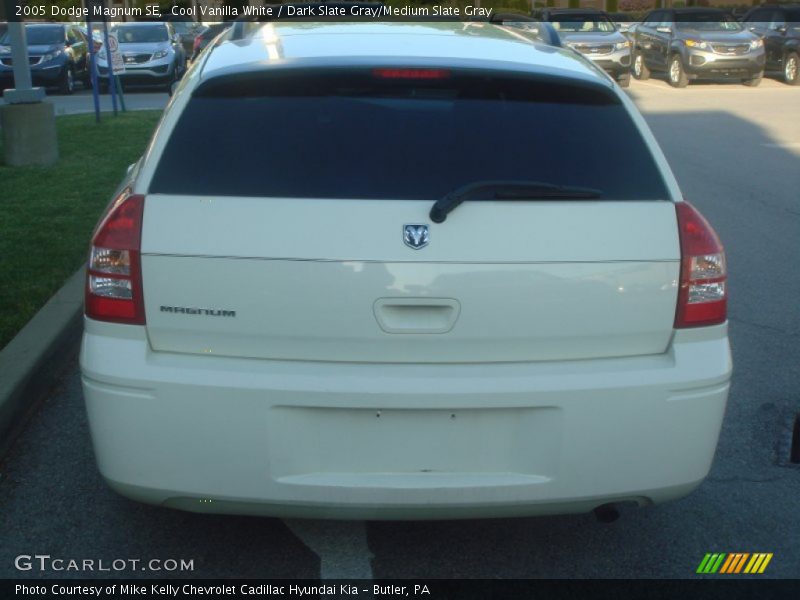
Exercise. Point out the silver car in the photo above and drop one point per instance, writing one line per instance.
(151, 52)
(593, 34)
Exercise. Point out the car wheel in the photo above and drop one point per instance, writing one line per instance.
(103, 87)
(676, 75)
(640, 70)
(791, 69)
(67, 83)
(624, 80)
(755, 81)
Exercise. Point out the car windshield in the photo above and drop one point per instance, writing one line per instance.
(137, 34)
(711, 21)
(585, 23)
(38, 36)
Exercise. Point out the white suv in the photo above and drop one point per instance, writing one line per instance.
(402, 271)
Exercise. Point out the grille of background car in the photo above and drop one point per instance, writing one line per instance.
(730, 48)
(137, 58)
(594, 48)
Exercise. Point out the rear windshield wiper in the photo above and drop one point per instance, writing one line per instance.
(508, 190)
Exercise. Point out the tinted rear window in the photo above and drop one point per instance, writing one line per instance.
(361, 136)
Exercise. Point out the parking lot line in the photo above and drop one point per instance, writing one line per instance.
(653, 85)
(783, 145)
(341, 546)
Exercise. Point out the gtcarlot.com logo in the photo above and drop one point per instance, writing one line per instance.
(734, 563)
(45, 562)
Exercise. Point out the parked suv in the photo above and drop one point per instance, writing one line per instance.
(697, 43)
(152, 54)
(408, 281)
(593, 34)
(56, 53)
(779, 27)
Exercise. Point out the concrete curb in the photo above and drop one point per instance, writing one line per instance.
(32, 361)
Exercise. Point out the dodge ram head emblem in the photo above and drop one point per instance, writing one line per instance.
(416, 236)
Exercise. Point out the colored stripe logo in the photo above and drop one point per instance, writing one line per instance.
(733, 563)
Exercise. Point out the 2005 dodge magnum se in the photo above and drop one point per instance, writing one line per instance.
(373, 270)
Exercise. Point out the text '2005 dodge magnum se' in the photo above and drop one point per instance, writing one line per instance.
(402, 278)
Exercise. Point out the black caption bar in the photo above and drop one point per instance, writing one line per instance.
(276, 10)
(435, 589)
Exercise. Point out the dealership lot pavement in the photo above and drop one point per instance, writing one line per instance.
(736, 153)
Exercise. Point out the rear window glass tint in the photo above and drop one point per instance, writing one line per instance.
(359, 137)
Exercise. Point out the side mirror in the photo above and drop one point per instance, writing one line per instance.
(781, 29)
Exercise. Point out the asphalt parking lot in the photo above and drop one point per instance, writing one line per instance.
(736, 153)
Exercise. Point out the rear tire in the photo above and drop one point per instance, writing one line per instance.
(791, 69)
(753, 82)
(624, 80)
(676, 76)
(639, 68)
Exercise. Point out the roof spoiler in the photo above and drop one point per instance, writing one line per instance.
(241, 24)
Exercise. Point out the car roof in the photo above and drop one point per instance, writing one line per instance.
(444, 43)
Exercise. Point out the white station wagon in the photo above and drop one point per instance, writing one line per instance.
(396, 271)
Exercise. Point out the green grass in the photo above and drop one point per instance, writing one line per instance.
(47, 214)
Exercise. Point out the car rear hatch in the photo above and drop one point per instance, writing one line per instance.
(288, 218)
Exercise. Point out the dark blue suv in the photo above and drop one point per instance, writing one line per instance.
(57, 54)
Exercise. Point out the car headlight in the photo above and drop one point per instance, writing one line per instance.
(621, 45)
(696, 44)
(159, 54)
(759, 43)
(51, 55)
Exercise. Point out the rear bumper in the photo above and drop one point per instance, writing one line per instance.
(346, 440)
